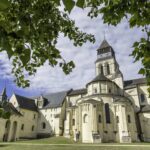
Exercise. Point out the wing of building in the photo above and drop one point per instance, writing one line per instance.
(108, 109)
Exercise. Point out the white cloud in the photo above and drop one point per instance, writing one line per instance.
(121, 38)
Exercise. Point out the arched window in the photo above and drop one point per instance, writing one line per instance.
(142, 97)
(107, 113)
(101, 70)
(7, 124)
(22, 127)
(85, 118)
(73, 122)
(129, 119)
(117, 119)
(95, 90)
(109, 90)
(99, 119)
(43, 125)
(108, 69)
(32, 128)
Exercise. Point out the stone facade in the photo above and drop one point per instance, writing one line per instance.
(108, 109)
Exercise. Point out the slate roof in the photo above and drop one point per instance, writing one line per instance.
(100, 77)
(55, 99)
(77, 92)
(104, 44)
(134, 82)
(145, 108)
(103, 58)
(10, 108)
(26, 103)
(3, 92)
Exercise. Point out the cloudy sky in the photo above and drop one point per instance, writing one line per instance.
(49, 79)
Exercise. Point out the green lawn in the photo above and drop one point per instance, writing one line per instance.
(52, 147)
(61, 143)
(52, 140)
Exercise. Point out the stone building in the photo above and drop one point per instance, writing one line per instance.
(108, 109)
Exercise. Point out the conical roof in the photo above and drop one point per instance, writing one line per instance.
(3, 95)
(104, 44)
(100, 77)
(3, 92)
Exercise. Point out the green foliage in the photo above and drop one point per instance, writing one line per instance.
(4, 4)
(1, 112)
(69, 5)
(29, 31)
(80, 3)
(4, 114)
(142, 52)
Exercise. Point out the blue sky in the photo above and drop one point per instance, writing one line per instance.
(48, 79)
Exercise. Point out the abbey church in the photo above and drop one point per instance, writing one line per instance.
(108, 109)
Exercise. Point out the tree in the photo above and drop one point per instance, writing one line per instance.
(4, 114)
(30, 28)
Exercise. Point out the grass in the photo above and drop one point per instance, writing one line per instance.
(52, 140)
(70, 147)
(59, 144)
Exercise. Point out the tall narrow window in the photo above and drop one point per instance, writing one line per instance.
(32, 128)
(85, 118)
(22, 127)
(34, 116)
(43, 125)
(107, 113)
(109, 90)
(95, 90)
(73, 122)
(7, 124)
(99, 119)
(142, 97)
(101, 70)
(117, 119)
(129, 119)
(108, 69)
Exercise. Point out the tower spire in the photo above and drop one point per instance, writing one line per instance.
(104, 35)
(3, 95)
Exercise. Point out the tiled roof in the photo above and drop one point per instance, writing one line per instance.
(77, 92)
(26, 103)
(55, 99)
(134, 82)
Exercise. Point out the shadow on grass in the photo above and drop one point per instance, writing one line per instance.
(3, 145)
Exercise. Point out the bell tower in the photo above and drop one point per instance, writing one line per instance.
(107, 65)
